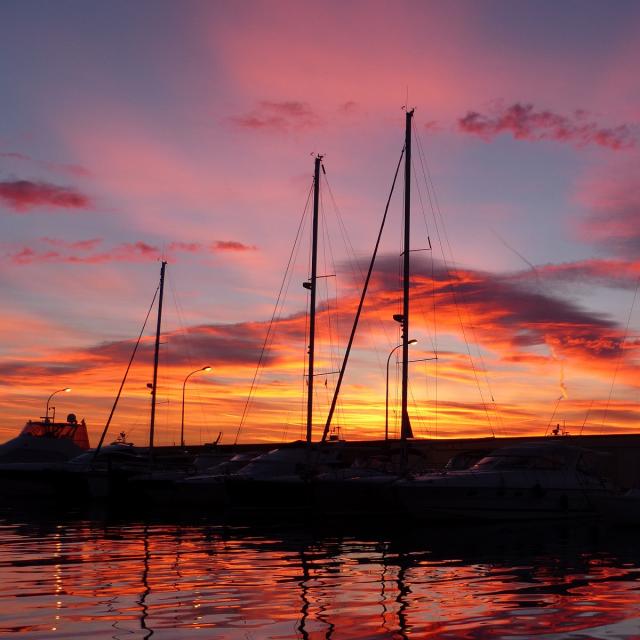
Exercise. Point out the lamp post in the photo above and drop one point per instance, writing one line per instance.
(46, 415)
(184, 385)
(386, 404)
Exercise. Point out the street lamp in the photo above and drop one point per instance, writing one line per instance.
(46, 415)
(386, 404)
(184, 384)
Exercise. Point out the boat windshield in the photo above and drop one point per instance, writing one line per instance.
(50, 430)
(508, 462)
(74, 431)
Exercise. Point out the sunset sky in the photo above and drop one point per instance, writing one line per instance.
(136, 131)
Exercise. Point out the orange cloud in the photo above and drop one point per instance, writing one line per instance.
(510, 321)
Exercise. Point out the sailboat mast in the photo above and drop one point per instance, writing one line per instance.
(155, 363)
(312, 288)
(406, 431)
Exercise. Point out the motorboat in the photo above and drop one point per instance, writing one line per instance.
(208, 489)
(47, 441)
(32, 464)
(106, 472)
(528, 481)
(280, 479)
(181, 487)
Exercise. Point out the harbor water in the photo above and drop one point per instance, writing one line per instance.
(99, 575)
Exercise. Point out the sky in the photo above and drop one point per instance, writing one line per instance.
(137, 132)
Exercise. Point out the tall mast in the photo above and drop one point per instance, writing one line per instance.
(312, 288)
(406, 431)
(155, 363)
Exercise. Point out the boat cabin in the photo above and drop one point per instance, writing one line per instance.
(69, 430)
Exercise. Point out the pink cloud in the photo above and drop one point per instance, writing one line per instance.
(80, 245)
(607, 273)
(22, 195)
(349, 107)
(278, 116)
(611, 198)
(93, 251)
(232, 245)
(188, 247)
(84, 252)
(523, 122)
(432, 125)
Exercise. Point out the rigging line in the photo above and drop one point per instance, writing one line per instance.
(360, 305)
(325, 283)
(273, 317)
(585, 418)
(301, 395)
(438, 213)
(425, 162)
(305, 369)
(354, 264)
(343, 228)
(420, 420)
(181, 321)
(186, 342)
(124, 379)
(553, 415)
(357, 275)
(333, 315)
(429, 405)
(434, 337)
(424, 218)
(417, 412)
(353, 261)
(619, 358)
(421, 156)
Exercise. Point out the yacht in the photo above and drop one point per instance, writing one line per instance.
(31, 463)
(528, 481)
(47, 441)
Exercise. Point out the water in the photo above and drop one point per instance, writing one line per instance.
(123, 577)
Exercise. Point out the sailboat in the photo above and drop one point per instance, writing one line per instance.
(280, 478)
(363, 488)
(110, 470)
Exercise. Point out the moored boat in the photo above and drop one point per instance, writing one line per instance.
(47, 441)
(529, 481)
(33, 463)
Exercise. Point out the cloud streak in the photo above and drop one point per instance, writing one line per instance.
(232, 245)
(24, 195)
(524, 122)
(507, 313)
(60, 167)
(94, 251)
(612, 202)
(282, 116)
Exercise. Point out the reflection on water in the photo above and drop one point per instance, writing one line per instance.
(99, 577)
